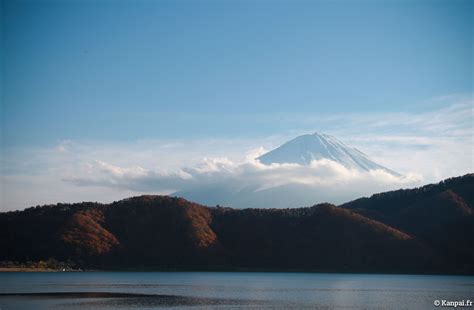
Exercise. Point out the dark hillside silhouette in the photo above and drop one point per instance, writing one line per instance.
(439, 215)
(429, 229)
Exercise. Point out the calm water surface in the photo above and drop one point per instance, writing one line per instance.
(229, 290)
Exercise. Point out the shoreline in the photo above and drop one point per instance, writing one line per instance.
(28, 269)
(41, 270)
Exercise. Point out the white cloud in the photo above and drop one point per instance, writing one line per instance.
(424, 146)
(250, 178)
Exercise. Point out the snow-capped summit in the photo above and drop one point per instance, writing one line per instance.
(296, 186)
(306, 148)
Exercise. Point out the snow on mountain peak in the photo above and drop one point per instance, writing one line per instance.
(306, 148)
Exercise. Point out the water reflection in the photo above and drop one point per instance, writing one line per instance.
(227, 290)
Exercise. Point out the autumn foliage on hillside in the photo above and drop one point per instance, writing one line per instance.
(428, 229)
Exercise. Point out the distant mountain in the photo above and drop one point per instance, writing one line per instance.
(306, 148)
(428, 229)
(301, 150)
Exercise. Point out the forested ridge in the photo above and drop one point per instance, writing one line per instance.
(423, 230)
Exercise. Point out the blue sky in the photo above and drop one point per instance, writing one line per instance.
(116, 73)
(126, 70)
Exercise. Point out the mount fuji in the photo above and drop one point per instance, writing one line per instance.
(304, 184)
(304, 149)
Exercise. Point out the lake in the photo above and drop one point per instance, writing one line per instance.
(228, 290)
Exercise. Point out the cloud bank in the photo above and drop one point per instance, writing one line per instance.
(424, 146)
(249, 183)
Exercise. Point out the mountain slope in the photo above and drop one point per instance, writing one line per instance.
(301, 184)
(83, 233)
(158, 232)
(440, 215)
(306, 148)
(429, 229)
(320, 237)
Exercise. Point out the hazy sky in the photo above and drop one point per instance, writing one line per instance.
(162, 84)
